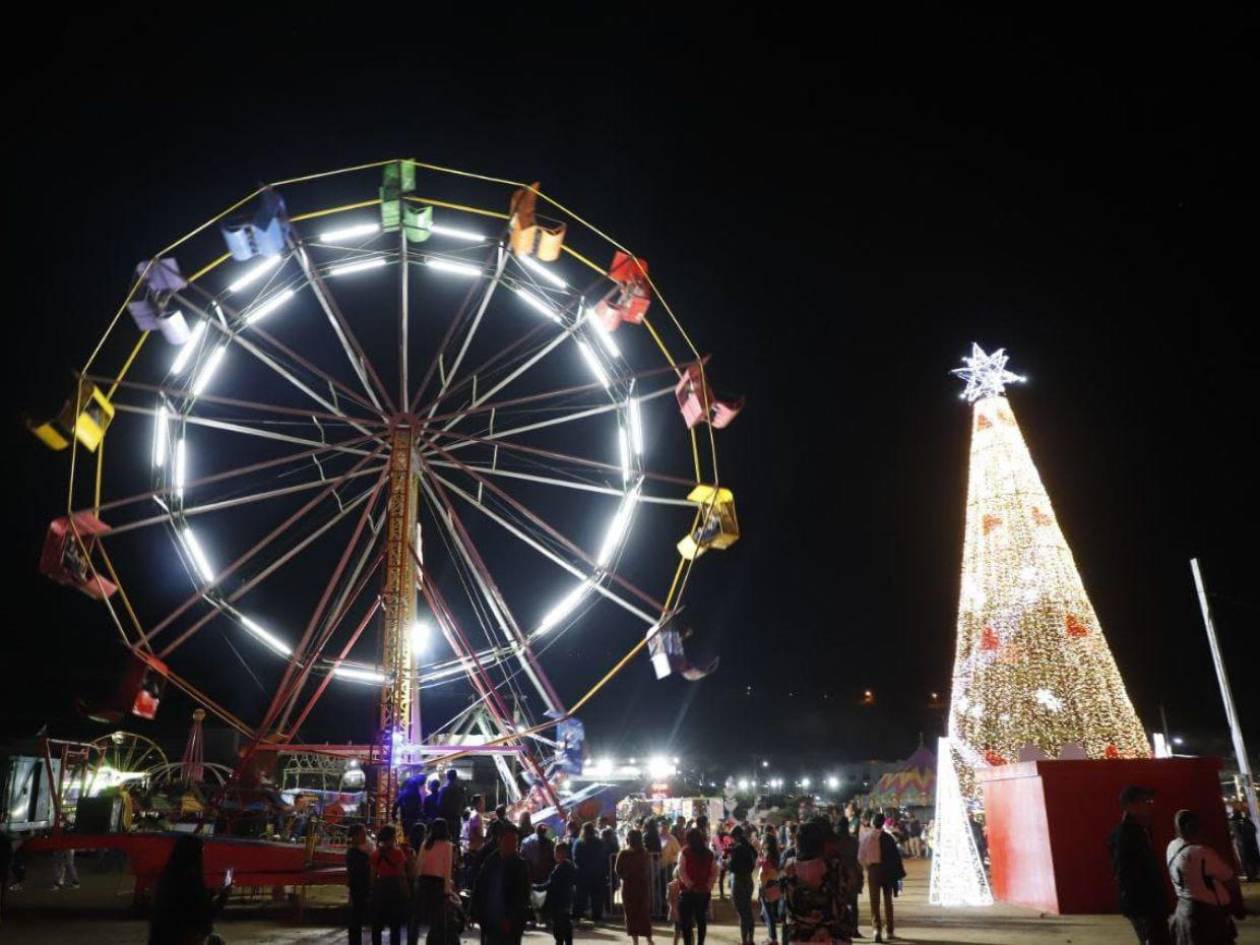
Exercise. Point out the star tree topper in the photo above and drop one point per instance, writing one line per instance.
(986, 374)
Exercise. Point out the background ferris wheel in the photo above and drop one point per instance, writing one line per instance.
(401, 439)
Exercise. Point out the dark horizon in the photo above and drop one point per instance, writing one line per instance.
(836, 220)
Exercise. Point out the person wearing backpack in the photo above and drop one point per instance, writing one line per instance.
(1206, 887)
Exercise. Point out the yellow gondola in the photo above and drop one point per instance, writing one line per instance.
(528, 236)
(718, 526)
(95, 414)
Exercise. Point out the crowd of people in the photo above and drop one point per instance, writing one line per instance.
(444, 865)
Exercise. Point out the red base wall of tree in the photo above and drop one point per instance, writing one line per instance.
(1048, 822)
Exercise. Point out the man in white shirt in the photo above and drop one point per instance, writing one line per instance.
(869, 858)
(1200, 878)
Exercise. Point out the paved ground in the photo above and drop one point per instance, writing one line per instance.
(97, 914)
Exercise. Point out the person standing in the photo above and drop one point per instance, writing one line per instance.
(1206, 888)
(636, 887)
(359, 880)
(474, 832)
(65, 875)
(870, 853)
(612, 846)
(670, 848)
(431, 810)
(590, 856)
(538, 852)
(500, 900)
(847, 854)
(452, 799)
(435, 865)
(769, 891)
(391, 886)
(1243, 832)
(1137, 870)
(741, 860)
(559, 889)
(891, 872)
(183, 908)
(721, 848)
(697, 870)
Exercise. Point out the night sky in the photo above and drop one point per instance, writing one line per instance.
(836, 210)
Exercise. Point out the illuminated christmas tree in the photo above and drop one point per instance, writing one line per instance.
(1032, 672)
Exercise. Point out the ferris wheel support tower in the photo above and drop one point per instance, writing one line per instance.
(400, 703)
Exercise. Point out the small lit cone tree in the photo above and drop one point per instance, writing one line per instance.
(958, 876)
(1032, 670)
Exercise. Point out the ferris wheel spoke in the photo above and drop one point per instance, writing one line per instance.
(231, 473)
(437, 363)
(562, 483)
(553, 533)
(497, 602)
(260, 432)
(270, 569)
(231, 336)
(352, 588)
(189, 511)
(359, 362)
(548, 553)
(523, 401)
(301, 650)
(551, 422)
(251, 553)
(214, 399)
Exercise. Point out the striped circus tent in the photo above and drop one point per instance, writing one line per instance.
(911, 785)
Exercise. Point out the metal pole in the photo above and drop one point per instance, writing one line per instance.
(1227, 696)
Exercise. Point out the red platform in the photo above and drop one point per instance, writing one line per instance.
(1048, 823)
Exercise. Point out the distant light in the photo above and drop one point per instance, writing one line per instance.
(268, 307)
(266, 637)
(538, 304)
(743, 784)
(659, 767)
(602, 333)
(360, 675)
(563, 609)
(833, 782)
(349, 232)
(202, 380)
(592, 361)
(805, 782)
(419, 637)
(454, 268)
(456, 234)
(160, 437)
(198, 556)
(255, 274)
(360, 266)
(674, 759)
(1178, 740)
(186, 350)
(765, 764)
(636, 425)
(538, 268)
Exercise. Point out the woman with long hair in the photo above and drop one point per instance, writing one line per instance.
(435, 866)
(183, 908)
(636, 887)
(697, 869)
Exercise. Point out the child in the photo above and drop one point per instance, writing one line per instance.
(673, 889)
(559, 889)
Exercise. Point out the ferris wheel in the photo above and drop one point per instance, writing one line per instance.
(401, 433)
